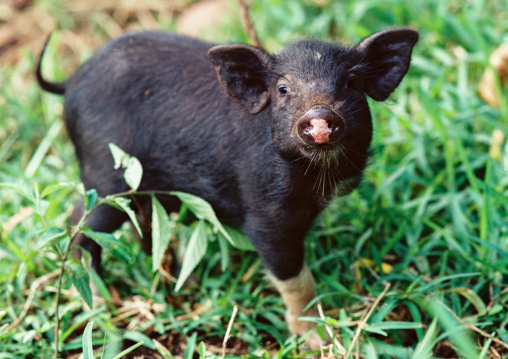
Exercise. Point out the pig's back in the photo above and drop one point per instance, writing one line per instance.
(131, 78)
(156, 96)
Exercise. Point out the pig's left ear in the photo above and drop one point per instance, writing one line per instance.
(386, 58)
(242, 72)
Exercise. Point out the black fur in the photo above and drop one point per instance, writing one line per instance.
(157, 96)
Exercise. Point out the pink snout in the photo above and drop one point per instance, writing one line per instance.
(320, 126)
(319, 130)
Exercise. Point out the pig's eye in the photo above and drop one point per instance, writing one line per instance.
(354, 83)
(283, 90)
(351, 82)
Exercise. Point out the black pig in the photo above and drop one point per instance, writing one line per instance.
(265, 139)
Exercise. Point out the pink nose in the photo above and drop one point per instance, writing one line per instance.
(319, 130)
(320, 126)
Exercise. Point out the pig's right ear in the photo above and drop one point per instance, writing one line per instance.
(241, 70)
(386, 58)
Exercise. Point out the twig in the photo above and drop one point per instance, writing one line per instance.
(33, 289)
(335, 342)
(228, 331)
(73, 235)
(249, 27)
(19, 217)
(60, 279)
(478, 330)
(364, 320)
(60, 272)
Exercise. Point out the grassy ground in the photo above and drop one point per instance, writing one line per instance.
(413, 264)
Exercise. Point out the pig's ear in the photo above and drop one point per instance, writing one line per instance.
(242, 72)
(386, 58)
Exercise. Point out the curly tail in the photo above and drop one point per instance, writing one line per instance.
(57, 88)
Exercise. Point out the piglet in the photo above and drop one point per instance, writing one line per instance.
(266, 139)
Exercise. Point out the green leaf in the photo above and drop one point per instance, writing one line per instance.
(424, 348)
(109, 242)
(416, 316)
(238, 239)
(202, 350)
(20, 189)
(371, 329)
(124, 204)
(162, 350)
(81, 280)
(224, 255)
(119, 156)
(473, 297)
(50, 234)
(87, 342)
(194, 252)
(202, 210)
(440, 280)
(191, 344)
(395, 325)
(136, 336)
(90, 198)
(43, 148)
(133, 169)
(496, 308)
(100, 285)
(53, 188)
(454, 330)
(41, 206)
(133, 173)
(77, 322)
(81, 189)
(128, 350)
(370, 350)
(161, 233)
(321, 331)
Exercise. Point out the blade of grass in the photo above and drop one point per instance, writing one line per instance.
(87, 342)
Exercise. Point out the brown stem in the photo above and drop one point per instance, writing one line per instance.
(247, 21)
(75, 232)
(62, 271)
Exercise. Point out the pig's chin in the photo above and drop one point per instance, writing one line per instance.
(322, 155)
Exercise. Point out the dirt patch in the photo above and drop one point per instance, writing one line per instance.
(202, 16)
(87, 24)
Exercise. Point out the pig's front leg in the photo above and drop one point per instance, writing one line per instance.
(297, 292)
(284, 258)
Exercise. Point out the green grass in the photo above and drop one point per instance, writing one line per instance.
(432, 211)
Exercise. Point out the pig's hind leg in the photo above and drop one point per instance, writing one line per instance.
(97, 172)
(103, 219)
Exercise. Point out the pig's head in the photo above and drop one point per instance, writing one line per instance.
(317, 92)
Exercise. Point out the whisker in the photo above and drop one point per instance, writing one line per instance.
(298, 159)
(324, 182)
(316, 186)
(311, 162)
(329, 175)
(352, 104)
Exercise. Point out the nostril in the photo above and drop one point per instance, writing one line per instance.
(306, 127)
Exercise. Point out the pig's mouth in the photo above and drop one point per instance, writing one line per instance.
(321, 134)
(324, 155)
(324, 162)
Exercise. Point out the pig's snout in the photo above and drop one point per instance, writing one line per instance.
(320, 126)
